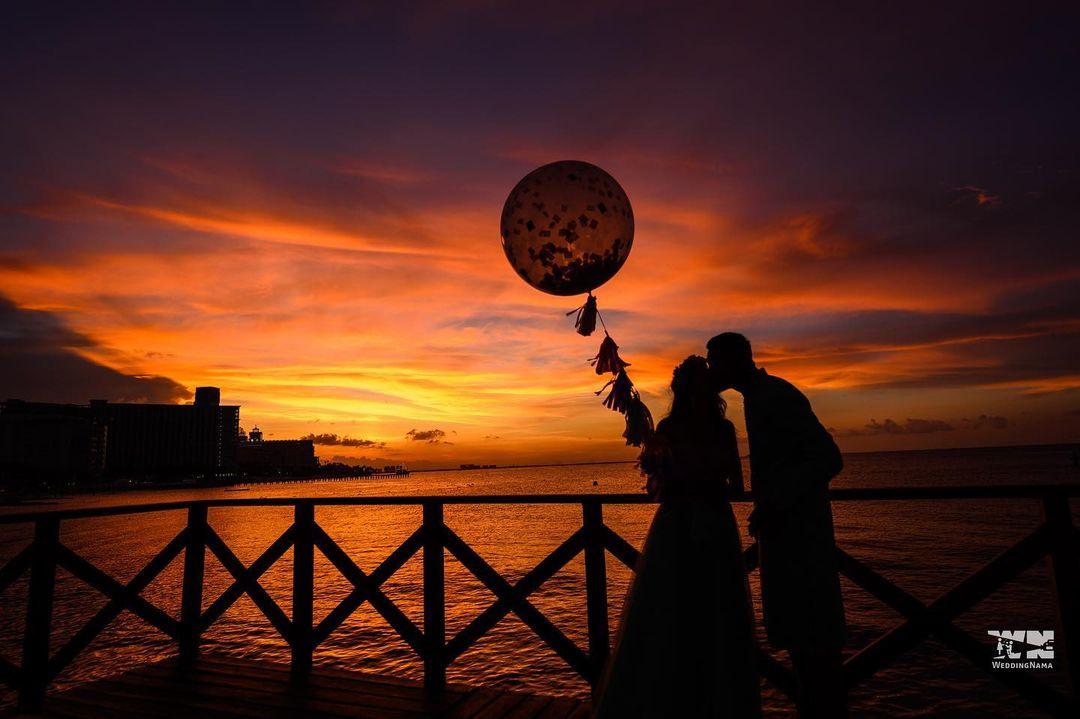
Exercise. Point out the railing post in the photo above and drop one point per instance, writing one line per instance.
(1064, 566)
(192, 592)
(39, 608)
(596, 599)
(434, 599)
(303, 587)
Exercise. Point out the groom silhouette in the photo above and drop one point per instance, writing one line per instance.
(792, 459)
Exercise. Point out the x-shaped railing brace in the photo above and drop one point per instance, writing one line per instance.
(366, 587)
(936, 618)
(514, 598)
(247, 578)
(121, 597)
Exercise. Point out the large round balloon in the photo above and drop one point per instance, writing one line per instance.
(567, 227)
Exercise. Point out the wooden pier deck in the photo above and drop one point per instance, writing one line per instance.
(228, 687)
(218, 687)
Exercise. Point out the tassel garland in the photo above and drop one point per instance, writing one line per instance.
(639, 422)
(622, 390)
(585, 323)
(607, 360)
(623, 397)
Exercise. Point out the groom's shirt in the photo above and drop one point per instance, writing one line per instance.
(791, 454)
(792, 459)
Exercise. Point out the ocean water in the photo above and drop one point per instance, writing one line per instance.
(925, 547)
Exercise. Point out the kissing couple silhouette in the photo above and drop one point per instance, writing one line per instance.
(685, 646)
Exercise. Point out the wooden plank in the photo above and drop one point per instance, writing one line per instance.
(303, 588)
(581, 712)
(1064, 565)
(501, 707)
(620, 548)
(349, 681)
(119, 701)
(433, 648)
(530, 708)
(474, 702)
(39, 608)
(355, 692)
(85, 705)
(235, 688)
(279, 674)
(324, 673)
(282, 700)
(191, 588)
(596, 594)
(252, 697)
(559, 708)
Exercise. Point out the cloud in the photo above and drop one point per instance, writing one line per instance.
(431, 436)
(985, 421)
(1025, 338)
(912, 426)
(979, 195)
(40, 360)
(889, 426)
(347, 459)
(343, 441)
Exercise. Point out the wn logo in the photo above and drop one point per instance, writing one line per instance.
(1022, 649)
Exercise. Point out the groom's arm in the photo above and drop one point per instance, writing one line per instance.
(812, 459)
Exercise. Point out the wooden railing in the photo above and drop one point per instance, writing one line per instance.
(1056, 539)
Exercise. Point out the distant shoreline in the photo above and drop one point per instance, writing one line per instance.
(524, 466)
(7, 499)
(1049, 445)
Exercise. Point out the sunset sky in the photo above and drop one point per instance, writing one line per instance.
(303, 209)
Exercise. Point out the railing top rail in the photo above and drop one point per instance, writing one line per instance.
(845, 494)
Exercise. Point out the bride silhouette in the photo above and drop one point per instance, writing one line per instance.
(685, 642)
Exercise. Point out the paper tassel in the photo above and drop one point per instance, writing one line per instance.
(639, 422)
(621, 392)
(607, 360)
(585, 322)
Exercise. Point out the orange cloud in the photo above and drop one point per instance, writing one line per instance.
(377, 325)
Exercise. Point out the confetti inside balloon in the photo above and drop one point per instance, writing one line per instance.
(567, 227)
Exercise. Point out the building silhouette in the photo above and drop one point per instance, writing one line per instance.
(55, 444)
(258, 457)
(47, 443)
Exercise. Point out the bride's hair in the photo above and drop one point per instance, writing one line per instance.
(694, 395)
(695, 401)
